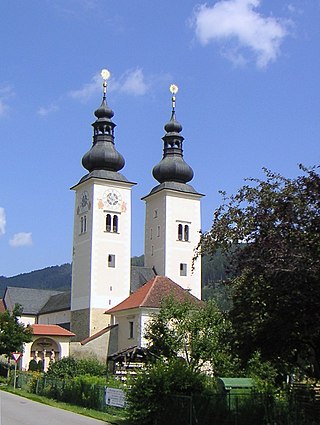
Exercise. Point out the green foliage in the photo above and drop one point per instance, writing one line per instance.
(64, 368)
(33, 365)
(137, 261)
(55, 278)
(263, 373)
(69, 367)
(4, 368)
(91, 367)
(213, 268)
(220, 292)
(13, 334)
(150, 390)
(198, 333)
(271, 231)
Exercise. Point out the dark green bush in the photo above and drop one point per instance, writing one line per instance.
(91, 367)
(69, 367)
(151, 390)
(64, 368)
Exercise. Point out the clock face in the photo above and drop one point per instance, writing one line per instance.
(112, 198)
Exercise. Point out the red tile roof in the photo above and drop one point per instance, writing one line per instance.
(152, 293)
(52, 330)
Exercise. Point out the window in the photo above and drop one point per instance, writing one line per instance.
(183, 232)
(111, 260)
(152, 250)
(108, 223)
(155, 213)
(186, 232)
(112, 223)
(131, 335)
(83, 224)
(150, 233)
(183, 269)
(115, 224)
(158, 231)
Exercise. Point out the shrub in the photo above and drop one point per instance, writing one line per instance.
(152, 388)
(64, 368)
(33, 365)
(91, 367)
(69, 367)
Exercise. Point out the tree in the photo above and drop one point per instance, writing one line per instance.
(197, 333)
(13, 334)
(271, 231)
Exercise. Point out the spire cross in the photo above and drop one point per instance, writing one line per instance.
(105, 74)
(174, 90)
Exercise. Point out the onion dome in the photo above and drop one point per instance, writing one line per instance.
(172, 167)
(103, 154)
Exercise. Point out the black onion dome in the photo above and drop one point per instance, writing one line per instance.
(172, 167)
(104, 111)
(173, 126)
(175, 170)
(103, 154)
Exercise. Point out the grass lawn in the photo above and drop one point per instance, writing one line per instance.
(102, 416)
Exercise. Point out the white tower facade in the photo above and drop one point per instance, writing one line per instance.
(102, 232)
(173, 215)
(173, 224)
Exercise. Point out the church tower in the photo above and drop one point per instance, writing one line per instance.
(102, 229)
(173, 216)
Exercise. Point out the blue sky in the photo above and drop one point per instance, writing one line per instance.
(249, 97)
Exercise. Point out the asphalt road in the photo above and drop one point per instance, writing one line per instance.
(15, 410)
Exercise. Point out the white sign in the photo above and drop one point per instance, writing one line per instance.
(16, 356)
(115, 397)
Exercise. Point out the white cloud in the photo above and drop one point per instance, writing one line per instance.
(2, 221)
(46, 110)
(131, 82)
(238, 23)
(6, 92)
(21, 239)
(88, 89)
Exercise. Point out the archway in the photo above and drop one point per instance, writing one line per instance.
(45, 351)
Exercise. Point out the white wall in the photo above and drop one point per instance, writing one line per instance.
(62, 344)
(95, 285)
(164, 251)
(55, 318)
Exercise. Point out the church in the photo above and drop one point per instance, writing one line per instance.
(111, 301)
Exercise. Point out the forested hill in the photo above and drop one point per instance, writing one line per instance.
(57, 278)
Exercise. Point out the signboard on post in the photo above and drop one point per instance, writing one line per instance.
(115, 397)
(16, 356)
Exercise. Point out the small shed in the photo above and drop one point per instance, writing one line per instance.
(235, 385)
(235, 389)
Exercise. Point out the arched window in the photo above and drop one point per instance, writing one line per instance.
(85, 223)
(81, 225)
(180, 232)
(186, 232)
(108, 223)
(115, 224)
